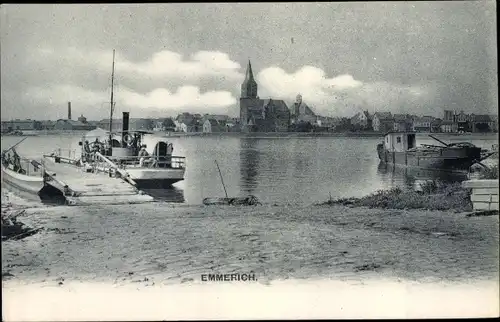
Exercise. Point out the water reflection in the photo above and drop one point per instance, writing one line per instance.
(249, 164)
(167, 195)
(276, 170)
(411, 178)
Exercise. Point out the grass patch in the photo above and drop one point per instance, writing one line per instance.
(434, 196)
(490, 173)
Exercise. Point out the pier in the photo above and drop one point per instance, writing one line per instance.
(86, 188)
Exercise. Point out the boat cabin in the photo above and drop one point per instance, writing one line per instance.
(399, 141)
(127, 147)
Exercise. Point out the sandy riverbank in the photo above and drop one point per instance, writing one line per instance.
(153, 251)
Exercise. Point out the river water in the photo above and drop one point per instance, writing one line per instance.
(276, 170)
(171, 243)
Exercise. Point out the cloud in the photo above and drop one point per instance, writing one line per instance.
(341, 94)
(308, 80)
(167, 82)
(188, 97)
(163, 64)
(60, 94)
(171, 64)
(185, 98)
(208, 80)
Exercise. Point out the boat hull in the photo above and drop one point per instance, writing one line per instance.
(156, 177)
(151, 178)
(27, 184)
(451, 159)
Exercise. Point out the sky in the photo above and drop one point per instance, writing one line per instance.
(402, 57)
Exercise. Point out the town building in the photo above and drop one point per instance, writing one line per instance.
(463, 122)
(482, 123)
(218, 118)
(71, 125)
(116, 125)
(382, 122)
(190, 126)
(164, 125)
(261, 115)
(19, 125)
(187, 122)
(436, 125)
(448, 126)
(449, 115)
(183, 121)
(211, 125)
(494, 119)
(422, 123)
(402, 122)
(362, 120)
(135, 124)
(157, 125)
(47, 125)
(82, 119)
(301, 112)
(328, 123)
(141, 124)
(233, 124)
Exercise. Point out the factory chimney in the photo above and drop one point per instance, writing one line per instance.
(125, 123)
(69, 110)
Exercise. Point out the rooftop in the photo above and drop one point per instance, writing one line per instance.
(383, 115)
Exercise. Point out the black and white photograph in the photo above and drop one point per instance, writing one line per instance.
(236, 161)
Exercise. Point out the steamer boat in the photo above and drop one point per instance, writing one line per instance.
(145, 160)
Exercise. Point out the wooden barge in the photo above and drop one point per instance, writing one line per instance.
(400, 148)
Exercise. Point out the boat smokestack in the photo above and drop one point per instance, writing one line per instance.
(125, 126)
(69, 110)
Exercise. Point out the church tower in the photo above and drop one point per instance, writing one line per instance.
(250, 104)
(249, 86)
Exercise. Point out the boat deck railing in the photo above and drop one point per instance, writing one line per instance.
(66, 153)
(173, 162)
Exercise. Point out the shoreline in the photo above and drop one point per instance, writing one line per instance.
(65, 222)
(266, 134)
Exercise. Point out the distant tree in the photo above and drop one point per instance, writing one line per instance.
(168, 124)
(320, 129)
(343, 125)
(483, 127)
(304, 126)
(355, 128)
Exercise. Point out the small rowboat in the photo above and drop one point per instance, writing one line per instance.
(237, 201)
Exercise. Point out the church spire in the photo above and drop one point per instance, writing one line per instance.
(249, 74)
(249, 86)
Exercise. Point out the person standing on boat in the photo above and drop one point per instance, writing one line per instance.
(170, 151)
(86, 149)
(143, 154)
(6, 160)
(17, 162)
(96, 145)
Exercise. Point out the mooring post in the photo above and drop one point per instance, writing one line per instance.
(222, 180)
